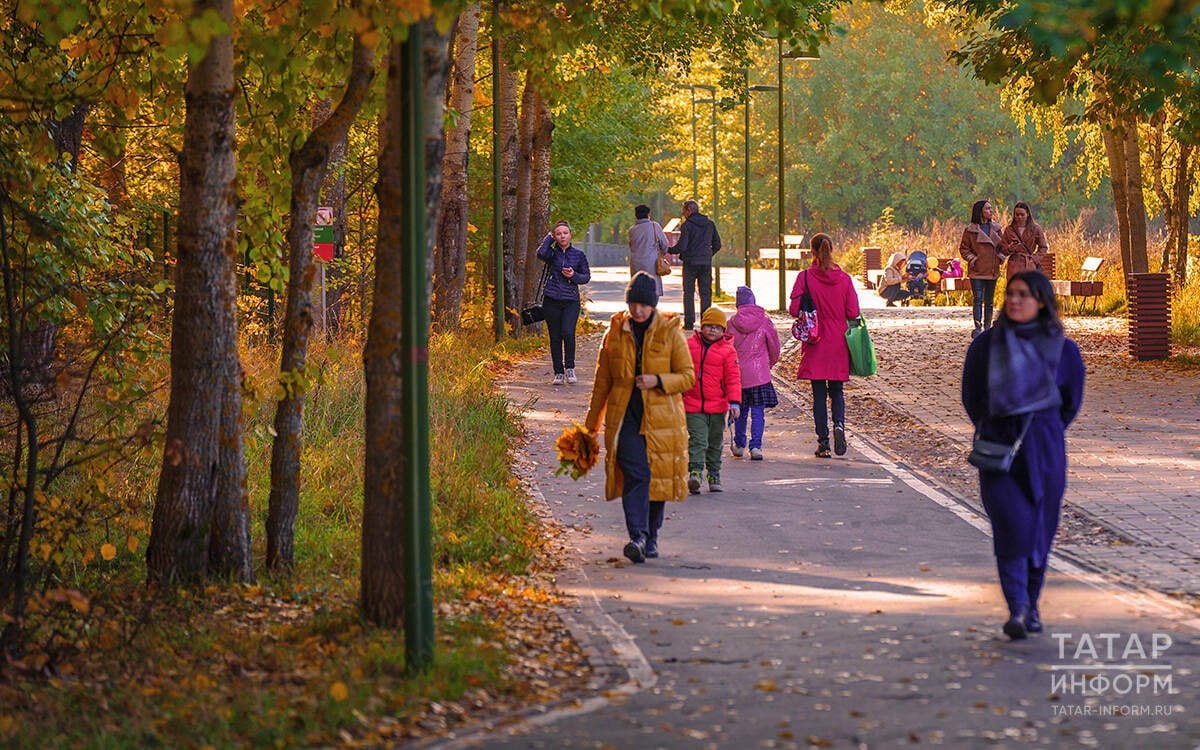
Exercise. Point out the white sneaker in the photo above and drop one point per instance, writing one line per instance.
(571, 379)
(558, 379)
(737, 450)
(756, 454)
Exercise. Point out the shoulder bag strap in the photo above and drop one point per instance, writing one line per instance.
(542, 284)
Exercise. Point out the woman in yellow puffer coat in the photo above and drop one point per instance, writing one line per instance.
(642, 372)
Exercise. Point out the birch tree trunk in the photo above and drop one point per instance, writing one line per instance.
(201, 524)
(450, 248)
(309, 165)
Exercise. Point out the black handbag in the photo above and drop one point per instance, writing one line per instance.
(534, 313)
(988, 455)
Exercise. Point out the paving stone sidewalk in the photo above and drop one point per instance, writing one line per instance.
(1134, 451)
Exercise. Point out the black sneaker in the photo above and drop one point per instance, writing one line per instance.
(635, 550)
(652, 547)
(822, 450)
(839, 440)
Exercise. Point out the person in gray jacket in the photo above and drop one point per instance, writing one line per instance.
(646, 243)
(698, 243)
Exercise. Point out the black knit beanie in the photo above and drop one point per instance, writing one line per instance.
(642, 289)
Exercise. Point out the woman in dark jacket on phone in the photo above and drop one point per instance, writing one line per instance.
(1023, 380)
(567, 269)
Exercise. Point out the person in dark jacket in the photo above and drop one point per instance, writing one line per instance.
(698, 243)
(1024, 376)
(982, 249)
(567, 269)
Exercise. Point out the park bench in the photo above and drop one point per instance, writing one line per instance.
(1086, 286)
(795, 255)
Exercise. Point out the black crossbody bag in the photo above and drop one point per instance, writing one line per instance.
(534, 313)
(988, 455)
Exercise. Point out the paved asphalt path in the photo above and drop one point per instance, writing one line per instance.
(831, 603)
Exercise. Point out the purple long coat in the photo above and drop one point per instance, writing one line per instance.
(837, 301)
(1024, 504)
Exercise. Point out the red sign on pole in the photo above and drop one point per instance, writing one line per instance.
(323, 234)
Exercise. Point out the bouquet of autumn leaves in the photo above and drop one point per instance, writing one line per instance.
(578, 451)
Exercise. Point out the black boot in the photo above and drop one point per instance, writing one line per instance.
(636, 550)
(822, 449)
(652, 547)
(1015, 627)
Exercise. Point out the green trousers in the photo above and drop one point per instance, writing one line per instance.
(706, 438)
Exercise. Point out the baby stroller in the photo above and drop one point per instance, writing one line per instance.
(918, 272)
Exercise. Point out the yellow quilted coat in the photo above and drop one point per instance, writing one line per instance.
(664, 423)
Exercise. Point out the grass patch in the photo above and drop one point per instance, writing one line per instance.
(290, 661)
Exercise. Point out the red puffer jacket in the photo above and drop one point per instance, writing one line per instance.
(718, 377)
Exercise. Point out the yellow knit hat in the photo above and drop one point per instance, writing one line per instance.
(713, 317)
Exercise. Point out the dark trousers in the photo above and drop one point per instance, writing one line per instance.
(834, 391)
(1021, 581)
(895, 293)
(643, 516)
(694, 274)
(983, 291)
(561, 317)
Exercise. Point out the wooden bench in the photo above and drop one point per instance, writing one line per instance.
(796, 257)
(1086, 286)
(873, 275)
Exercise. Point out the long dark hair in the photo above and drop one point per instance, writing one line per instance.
(822, 250)
(1042, 291)
(977, 211)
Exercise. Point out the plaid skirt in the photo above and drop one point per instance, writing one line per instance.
(760, 395)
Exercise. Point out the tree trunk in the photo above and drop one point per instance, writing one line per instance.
(1183, 199)
(201, 524)
(524, 183)
(539, 194)
(1140, 260)
(508, 170)
(450, 246)
(392, 371)
(1114, 140)
(1156, 150)
(310, 164)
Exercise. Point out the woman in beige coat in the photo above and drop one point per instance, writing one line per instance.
(642, 372)
(981, 249)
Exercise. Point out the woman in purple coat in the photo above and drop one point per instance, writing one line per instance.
(826, 361)
(1023, 376)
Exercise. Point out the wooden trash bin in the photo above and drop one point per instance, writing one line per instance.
(1149, 315)
(872, 261)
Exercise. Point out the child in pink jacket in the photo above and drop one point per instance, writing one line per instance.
(718, 389)
(757, 345)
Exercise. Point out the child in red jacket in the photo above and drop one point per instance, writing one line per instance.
(718, 390)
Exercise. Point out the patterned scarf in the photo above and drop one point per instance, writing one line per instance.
(1022, 368)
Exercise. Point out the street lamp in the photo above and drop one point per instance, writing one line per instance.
(746, 168)
(794, 55)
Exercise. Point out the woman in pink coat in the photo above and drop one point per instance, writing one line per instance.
(757, 345)
(826, 361)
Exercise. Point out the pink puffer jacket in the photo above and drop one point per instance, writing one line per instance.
(757, 344)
